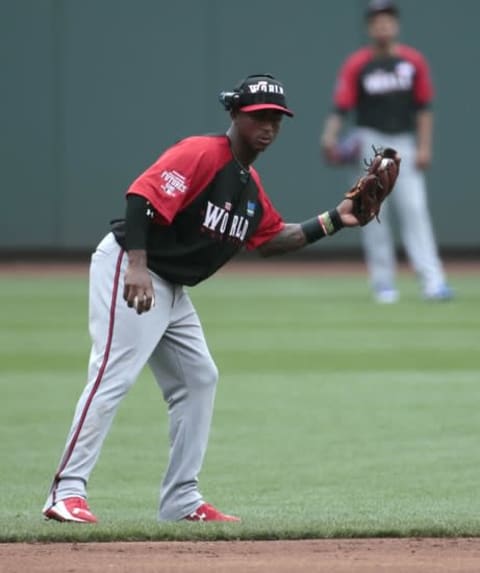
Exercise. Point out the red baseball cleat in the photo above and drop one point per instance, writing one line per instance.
(207, 512)
(73, 509)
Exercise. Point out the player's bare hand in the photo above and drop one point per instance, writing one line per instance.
(345, 210)
(329, 145)
(423, 158)
(138, 288)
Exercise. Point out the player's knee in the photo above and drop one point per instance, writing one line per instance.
(206, 375)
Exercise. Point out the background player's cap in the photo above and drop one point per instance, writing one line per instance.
(381, 7)
(256, 92)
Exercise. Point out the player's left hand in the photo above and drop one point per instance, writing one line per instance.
(369, 192)
(345, 210)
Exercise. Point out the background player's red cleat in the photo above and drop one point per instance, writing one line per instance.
(73, 509)
(207, 512)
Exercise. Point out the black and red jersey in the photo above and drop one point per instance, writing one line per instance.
(205, 206)
(385, 92)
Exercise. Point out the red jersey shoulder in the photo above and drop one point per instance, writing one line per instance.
(411, 54)
(423, 88)
(215, 147)
(271, 223)
(262, 196)
(181, 173)
(256, 177)
(346, 88)
(204, 142)
(359, 58)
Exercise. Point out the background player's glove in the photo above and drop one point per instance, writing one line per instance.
(346, 151)
(371, 190)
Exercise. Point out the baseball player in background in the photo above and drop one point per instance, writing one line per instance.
(188, 214)
(389, 87)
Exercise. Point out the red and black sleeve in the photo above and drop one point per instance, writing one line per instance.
(423, 91)
(346, 90)
(180, 174)
(271, 223)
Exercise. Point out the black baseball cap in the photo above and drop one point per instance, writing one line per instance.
(262, 91)
(381, 7)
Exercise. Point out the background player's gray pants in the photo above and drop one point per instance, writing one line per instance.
(170, 338)
(409, 199)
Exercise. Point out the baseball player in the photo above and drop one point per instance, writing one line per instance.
(189, 213)
(388, 85)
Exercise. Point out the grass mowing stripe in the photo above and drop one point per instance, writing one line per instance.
(310, 438)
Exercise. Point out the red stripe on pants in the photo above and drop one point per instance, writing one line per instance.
(98, 380)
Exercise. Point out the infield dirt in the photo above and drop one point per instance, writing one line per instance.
(329, 556)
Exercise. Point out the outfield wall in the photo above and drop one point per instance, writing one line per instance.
(94, 90)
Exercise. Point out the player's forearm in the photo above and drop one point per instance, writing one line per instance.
(332, 128)
(294, 236)
(136, 228)
(290, 238)
(425, 130)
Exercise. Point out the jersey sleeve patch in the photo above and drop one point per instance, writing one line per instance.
(173, 182)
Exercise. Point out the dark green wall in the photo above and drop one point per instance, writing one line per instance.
(94, 90)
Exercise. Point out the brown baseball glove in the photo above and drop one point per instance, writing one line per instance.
(371, 190)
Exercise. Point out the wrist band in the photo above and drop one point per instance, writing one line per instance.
(313, 229)
(321, 226)
(332, 221)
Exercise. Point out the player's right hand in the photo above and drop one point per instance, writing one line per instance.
(138, 288)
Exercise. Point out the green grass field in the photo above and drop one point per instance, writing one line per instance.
(335, 417)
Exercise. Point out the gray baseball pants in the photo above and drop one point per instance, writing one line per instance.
(170, 338)
(409, 199)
